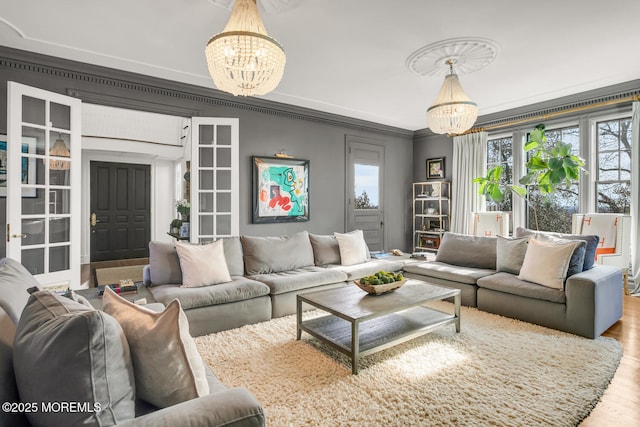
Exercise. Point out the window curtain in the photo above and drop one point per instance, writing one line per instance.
(635, 195)
(469, 162)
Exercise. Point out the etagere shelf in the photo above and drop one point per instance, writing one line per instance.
(431, 214)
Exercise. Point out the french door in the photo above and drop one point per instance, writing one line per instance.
(43, 183)
(215, 179)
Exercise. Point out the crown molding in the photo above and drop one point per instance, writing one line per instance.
(136, 84)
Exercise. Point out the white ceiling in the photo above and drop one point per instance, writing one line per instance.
(348, 56)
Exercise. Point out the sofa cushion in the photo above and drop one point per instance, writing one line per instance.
(8, 388)
(325, 249)
(239, 289)
(301, 278)
(164, 265)
(168, 368)
(467, 251)
(353, 248)
(202, 265)
(264, 255)
(590, 250)
(233, 255)
(65, 351)
(546, 263)
(454, 273)
(14, 282)
(510, 284)
(510, 254)
(576, 263)
(357, 271)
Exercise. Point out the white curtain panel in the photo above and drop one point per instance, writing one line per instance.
(635, 188)
(469, 162)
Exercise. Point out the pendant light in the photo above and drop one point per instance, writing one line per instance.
(452, 112)
(243, 59)
(59, 149)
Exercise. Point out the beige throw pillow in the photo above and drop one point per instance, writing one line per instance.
(167, 366)
(546, 263)
(202, 265)
(353, 248)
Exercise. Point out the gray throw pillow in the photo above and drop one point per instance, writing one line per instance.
(325, 249)
(263, 255)
(467, 251)
(590, 248)
(164, 264)
(14, 282)
(510, 254)
(65, 351)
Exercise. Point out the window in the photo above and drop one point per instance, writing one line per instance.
(500, 153)
(366, 182)
(552, 212)
(613, 180)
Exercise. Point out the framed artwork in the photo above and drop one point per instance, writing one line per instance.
(280, 190)
(435, 168)
(28, 166)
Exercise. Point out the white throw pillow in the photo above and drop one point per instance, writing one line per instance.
(546, 262)
(353, 248)
(166, 364)
(202, 265)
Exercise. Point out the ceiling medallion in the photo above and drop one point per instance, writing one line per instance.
(267, 6)
(470, 54)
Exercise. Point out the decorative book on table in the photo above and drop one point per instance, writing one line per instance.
(130, 288)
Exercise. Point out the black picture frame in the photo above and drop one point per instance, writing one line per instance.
(280, 190)
(435, 168)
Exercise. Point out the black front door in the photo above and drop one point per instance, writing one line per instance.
(120, 211)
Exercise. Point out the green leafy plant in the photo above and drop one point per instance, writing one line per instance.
(183, 207)
(551, 165)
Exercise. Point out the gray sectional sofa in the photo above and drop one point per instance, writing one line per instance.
(267, 273)
(64, 351)
(488, 272)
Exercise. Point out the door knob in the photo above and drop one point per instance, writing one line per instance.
(22, 236)
(93, 220)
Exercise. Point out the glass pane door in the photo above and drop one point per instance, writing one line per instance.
(214, 179)
(43, 162)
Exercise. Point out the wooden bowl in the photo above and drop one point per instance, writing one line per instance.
(380, 289)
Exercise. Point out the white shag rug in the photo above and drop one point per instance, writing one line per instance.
(496, 372)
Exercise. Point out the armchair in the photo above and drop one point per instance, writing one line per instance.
(614, 231)
(489, 224)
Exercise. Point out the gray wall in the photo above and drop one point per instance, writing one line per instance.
(265, 128)
(429, 146)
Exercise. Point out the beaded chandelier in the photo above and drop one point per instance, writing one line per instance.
(243, 59)
(59, 149)
(453, 112)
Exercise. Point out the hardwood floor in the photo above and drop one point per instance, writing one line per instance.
(620, 405)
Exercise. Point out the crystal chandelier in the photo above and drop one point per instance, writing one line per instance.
(243, 59)
(452, 112)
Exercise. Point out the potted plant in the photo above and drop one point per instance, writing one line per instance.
(184, 207)
(551, 165)
(175, 226)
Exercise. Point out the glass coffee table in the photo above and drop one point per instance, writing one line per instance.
(359, 324)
